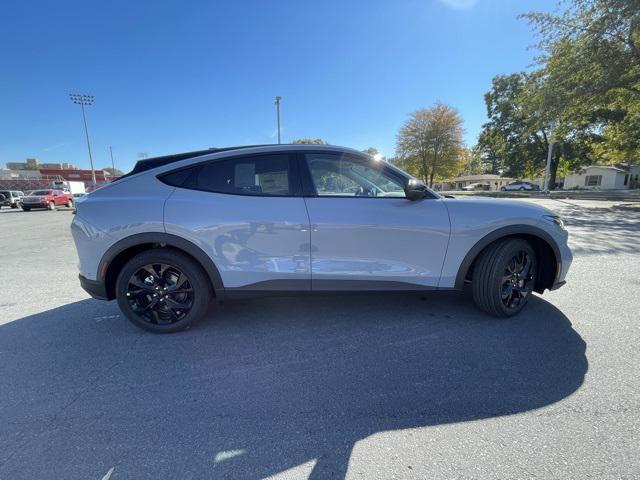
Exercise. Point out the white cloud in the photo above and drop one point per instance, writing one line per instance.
(459, 4)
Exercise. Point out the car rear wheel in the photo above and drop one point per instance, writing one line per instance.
(69, 203)
(503, 189)
(52, 205)
(163, 291)
(504, 277)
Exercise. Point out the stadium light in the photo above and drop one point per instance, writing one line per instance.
(82, 100)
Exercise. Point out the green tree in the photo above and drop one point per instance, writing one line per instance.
(430, 142)
(473, 163)
(524, 118)
(591, 70)
(309, 141)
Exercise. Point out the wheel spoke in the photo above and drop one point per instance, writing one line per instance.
(176, 292)
(171, 303)
(176, 287)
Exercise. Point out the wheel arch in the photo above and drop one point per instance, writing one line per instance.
(545, 247)
(120, 252)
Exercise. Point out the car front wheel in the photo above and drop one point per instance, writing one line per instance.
(163, 290)
(504, 277)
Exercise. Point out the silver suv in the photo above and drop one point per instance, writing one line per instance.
(179, 230)
(10, 198)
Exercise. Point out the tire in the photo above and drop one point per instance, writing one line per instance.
(492, 279)
(26, 209)
(522, 189)
(503, 189)
(69, 203)
(52, 206)
(14, 205)
(137, 300)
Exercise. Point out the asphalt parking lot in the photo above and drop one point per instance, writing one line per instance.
(375, 387)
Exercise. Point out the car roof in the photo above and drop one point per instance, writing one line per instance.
(156, 162)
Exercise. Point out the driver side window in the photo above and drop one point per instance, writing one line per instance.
(339, 175)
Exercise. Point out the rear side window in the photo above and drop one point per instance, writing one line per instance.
(179, 178)
(256, 175)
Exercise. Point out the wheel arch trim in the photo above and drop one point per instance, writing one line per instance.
(508, 231)
(164, 240)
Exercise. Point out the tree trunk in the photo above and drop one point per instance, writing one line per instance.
(553, 172)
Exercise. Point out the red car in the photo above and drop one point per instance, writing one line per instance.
(47, 199)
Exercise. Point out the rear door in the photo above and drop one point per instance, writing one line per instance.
(365, 234)
(248, 215)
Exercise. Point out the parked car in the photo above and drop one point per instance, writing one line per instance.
(11, 198)
(476, 186)
(521, 186)
(179, 230)
(50, 199)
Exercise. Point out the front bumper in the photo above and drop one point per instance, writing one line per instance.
(95, 288)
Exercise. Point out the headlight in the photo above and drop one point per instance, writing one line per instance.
(555, 219)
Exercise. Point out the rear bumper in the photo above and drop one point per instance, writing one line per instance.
(95, 288)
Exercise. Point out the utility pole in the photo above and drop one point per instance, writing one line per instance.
(113, 165)
(82, 100)
(278, 99)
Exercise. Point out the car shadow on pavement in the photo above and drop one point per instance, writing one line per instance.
(265, 385)
(603, 230)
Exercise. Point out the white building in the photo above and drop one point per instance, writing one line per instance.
(604, 177)
(494, 182)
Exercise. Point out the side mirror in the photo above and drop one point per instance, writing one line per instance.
(414, 189)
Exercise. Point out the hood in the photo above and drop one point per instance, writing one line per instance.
(34, 197)
(495, 211)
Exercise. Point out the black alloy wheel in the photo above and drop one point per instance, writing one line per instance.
(518, 280)
(504, 276)
(160, 293)
(163, 290)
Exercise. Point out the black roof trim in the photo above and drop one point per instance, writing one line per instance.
(149, 163)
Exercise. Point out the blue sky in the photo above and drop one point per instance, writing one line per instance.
(176, 76)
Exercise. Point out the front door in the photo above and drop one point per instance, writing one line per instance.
(365, 235)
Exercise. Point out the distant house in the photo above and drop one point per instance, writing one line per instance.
(604, 177)
(494, 182)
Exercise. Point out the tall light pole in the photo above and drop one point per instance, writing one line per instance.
(278, 99)
(113, 165)
(82, 100)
